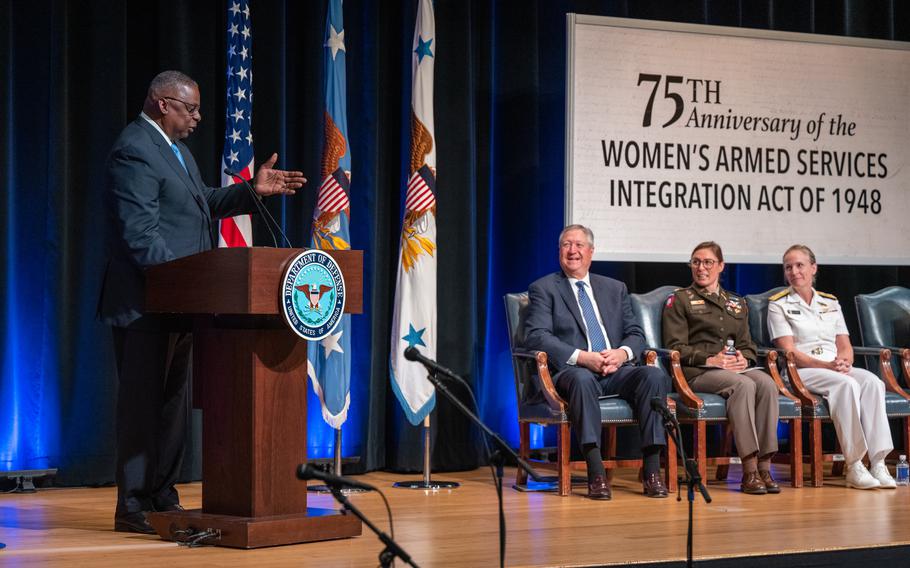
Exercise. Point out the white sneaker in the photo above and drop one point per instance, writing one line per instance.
(881, 473)
(859, 477)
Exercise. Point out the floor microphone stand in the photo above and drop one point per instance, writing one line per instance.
(496, 457)
(693, 479)
(391, 550)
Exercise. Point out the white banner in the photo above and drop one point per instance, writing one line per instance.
(678, 134)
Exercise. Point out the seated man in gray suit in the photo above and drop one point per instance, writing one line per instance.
(159, 209)
(584, 323)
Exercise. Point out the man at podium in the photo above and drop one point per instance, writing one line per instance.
(159, 209)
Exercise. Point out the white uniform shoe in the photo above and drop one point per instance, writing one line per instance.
(881, 473)
(859, 477)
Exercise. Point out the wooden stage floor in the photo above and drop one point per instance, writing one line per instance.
(73, 527)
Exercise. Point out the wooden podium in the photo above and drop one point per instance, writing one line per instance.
(250, 379)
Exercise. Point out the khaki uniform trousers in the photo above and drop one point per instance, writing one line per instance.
(857, 405)
(752, 407)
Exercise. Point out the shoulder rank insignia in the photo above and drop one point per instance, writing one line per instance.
(826, 295)
(779, 295)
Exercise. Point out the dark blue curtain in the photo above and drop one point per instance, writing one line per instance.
(74, 73)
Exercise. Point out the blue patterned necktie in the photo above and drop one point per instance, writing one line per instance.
(179, 156)
(595, 335)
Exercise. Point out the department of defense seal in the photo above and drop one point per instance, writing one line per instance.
(312, 294)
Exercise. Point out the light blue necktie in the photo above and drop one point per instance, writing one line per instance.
(595, 335)
(179, 156)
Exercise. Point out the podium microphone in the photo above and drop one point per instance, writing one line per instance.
(658, 405)
(413, 354)
(307, 471)
(263, 210)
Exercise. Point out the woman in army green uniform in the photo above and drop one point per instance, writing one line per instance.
(709, 326)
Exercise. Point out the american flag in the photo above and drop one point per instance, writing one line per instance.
(238, 136)
(333, 193)
(421, 187)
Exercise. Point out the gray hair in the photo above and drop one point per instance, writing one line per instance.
(588, 233)
(169, 82)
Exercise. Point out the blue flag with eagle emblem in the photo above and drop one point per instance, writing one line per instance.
(414, 316)
(329, 365)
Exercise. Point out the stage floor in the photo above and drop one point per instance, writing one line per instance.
(73, 527)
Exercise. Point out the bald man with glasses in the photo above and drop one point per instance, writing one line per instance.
(159, 209)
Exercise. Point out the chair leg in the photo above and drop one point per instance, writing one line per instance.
(608, 450)
(796, 452)
(699, 448)
(671, 469)
(816, 464)
(905, 423)
(563, 439)
(905, 435)
(723, 469)
(524, 451)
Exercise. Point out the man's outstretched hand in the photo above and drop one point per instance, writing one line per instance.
(270, 181)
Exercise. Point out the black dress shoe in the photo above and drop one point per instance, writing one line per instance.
(133, 522)
(169, 507)
(752, 484)
(653, 486)
(771, 486)
(599, 488)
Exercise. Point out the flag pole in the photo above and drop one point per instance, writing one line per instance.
(426, 450)
(337, 470)
(338, 451)
(426, 482)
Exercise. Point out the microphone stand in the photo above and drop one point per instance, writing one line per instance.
(262, 209)
(391, 550)
(496, 457)
(693, 478)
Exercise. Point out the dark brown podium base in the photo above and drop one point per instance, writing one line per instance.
(256, 532)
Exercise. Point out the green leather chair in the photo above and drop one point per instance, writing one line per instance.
(701, 409)
(539, 403)
(884, 330)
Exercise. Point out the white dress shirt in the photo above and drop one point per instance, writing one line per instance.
(590, 291)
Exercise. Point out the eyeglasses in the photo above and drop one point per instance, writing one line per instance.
(569, 244)
(190, 108)
(697, 262)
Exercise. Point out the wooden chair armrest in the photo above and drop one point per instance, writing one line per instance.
(546, 381)
(888, 373)
(802, 393)
(905, 364)
(862, 350)
(771, 356)
(681, 385)
(649, 356)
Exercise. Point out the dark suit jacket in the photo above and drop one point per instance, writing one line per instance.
(555, 325)
(156, 212)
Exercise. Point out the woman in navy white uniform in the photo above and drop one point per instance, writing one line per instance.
(811, 324)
